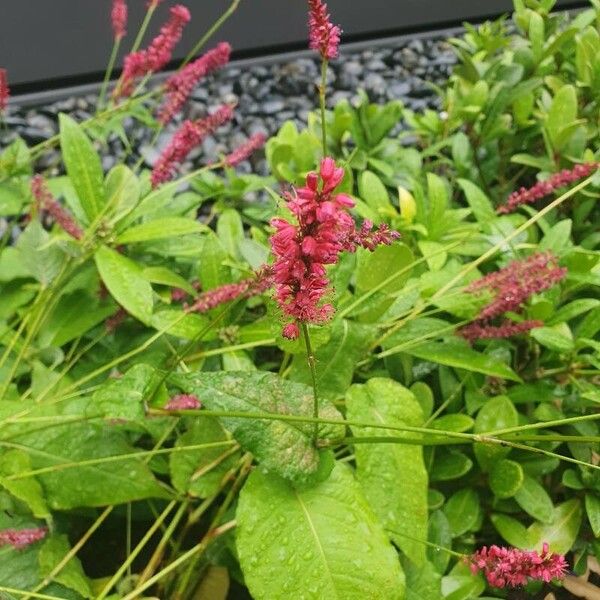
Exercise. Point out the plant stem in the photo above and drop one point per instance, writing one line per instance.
(109, 71)
(144, 27)
(322, 91)
(216, 26)
(310, 357)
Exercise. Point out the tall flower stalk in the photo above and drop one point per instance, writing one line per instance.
(324, 37)
(118, 17)
(4, 91)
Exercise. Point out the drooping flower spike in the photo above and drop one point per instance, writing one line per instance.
(118, 17)
(324, 37)
(180, 85)
(510, 288)
(510, 567)
(157, 55)
(21, 538)
(46, 201)
(186, 138)
(4, 90)
(545, 188)
(240, 154)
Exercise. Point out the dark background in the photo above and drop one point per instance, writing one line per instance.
(51, 43)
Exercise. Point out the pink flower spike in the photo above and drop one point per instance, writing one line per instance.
(232, 291)
(510, 567)
(240, 154)
(4, 90)
(45, 201)
(324, 37)
(184, 402)
(157, 55)
(482, 330)
(21, 538)
(180, 85)
(544, 188)
(119, 18)
(187, 137)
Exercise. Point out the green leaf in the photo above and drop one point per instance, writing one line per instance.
(122, 191)
(160, 229)
(462, 511)
(71, 575)
(572, 310)
(450, 465)
(439, 535)
(105, 481)
(480, 204)
(456, 422)
(422, 583)
(374, 193)
(592, 508)
(164, 276)
(125, 281)
(186, 467)
(497, 413)
(562, 113)
(41, 259)
(83, 166)
(284, 447)
(557, 338)
(335, 360)
(511, 530)
(561, 532)
(321, 542)
(506, 477)
(230, 230)
(11, 200)
(27, 490)
(534, 500)
(401, 509)
(457, 353)
(184, 325)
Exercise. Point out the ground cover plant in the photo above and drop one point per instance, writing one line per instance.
(373, 374)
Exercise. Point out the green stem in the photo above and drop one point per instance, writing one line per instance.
(427, 543)
(109, 71)
(217, 25)
(322, 91)
(310, 357)
(144, 27)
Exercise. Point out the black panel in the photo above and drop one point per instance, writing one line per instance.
(52, 41)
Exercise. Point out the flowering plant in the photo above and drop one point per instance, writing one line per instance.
(375, 381)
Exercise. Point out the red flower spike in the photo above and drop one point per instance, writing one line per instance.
(246, 150)
(232, 291)
(45, 201)
(324, 37)
(510, 567)
(4, 90)
(118, 18)
(180, 85)
(291, 331)
(482, 330)
(21, 538)
(157, 55)
(545, 188)
(184, 402)
(187, 137)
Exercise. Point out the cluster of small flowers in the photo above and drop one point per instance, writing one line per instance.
(180, 85)
(240, 154)
(186, 138)
(324, 229)
(227, 293)
(479, 330)
(118, 17)
(4, 90)
(157, 55)
(510, 567)
(21, 538)
(323, 35)
(184, 402)
(545, 188)
(45, 201)
(511, 287)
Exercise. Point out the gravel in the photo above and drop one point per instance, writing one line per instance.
(267, 95)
